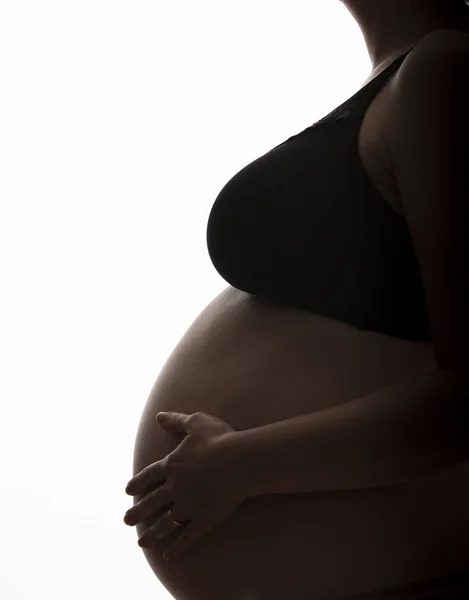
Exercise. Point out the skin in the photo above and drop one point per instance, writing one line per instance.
(391, 27)
(251, 363)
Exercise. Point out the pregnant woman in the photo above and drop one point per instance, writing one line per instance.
(319, 405)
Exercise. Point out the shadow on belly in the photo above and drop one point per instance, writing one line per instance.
(286, 546)
(251, 365)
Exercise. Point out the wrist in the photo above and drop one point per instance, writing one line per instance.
(236, 465)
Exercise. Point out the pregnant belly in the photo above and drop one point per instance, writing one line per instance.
(252, 363)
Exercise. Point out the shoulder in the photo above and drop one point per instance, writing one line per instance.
(432, 80)
(441, 55)
(440, 45)
(441, 40)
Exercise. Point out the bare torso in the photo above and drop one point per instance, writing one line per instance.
(252, 363)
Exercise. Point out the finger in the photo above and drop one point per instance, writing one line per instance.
(193, 531)
(174, 421)
(146, 507)
(151, 475)
(164, 526)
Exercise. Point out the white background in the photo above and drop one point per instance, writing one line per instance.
(120, 122)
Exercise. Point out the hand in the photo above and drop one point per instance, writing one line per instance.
(196, 479)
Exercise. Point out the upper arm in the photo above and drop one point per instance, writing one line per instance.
(428, 142)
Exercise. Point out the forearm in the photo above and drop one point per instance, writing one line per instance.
(416, 427)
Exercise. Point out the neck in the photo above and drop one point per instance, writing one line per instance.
(391, 27)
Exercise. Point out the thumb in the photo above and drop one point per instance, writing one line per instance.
(177, 422)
